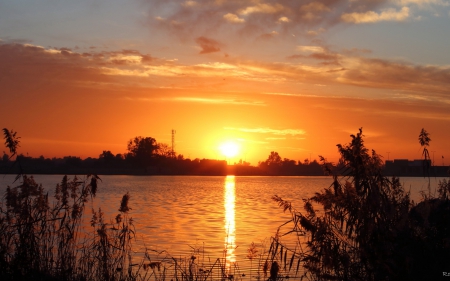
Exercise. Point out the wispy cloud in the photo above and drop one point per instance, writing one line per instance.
(262, 8)
(422, 3)
(315, 7)
(190, 3)
(233, 18)
(292, 132)
(216, 101)
(376, 73)
(186, 99)
(283, 19)
(314, 49)
(372, 17)
(323, 67)
(208, 45)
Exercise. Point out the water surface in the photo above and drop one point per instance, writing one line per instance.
(220, 216)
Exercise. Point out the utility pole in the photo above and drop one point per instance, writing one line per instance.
(173, 143)
(433, 158)
(388, 154)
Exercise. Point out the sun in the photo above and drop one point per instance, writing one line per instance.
(229, 149)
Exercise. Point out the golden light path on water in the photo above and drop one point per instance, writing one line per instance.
(230, 223)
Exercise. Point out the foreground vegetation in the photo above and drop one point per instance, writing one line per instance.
(44, 238)
(365, 227)
(362, 227)
(40, 240)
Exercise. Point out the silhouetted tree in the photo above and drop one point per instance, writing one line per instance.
(73, 161)
(142, 150)
(424, 140)
(274, 159)
(164, 150)
(107, 156)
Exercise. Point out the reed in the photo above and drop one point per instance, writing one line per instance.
(43, 238)
(364, 226)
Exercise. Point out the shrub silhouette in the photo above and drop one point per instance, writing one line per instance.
(365, 227)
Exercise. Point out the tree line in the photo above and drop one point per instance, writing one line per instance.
(145, 155)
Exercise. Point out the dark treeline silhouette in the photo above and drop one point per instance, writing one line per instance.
(275, 165)
(113, 165)
(110, 164)
(145, 156)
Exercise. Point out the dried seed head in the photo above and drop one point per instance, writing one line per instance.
(93, 186)
(124, 203)
(118, 218)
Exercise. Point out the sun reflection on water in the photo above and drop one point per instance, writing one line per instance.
(230, 224)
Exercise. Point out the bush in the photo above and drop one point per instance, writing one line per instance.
(365, 227)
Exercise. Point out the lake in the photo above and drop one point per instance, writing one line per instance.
(183, 214)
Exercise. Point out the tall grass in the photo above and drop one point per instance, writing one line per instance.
(44, 238)
(38, 239)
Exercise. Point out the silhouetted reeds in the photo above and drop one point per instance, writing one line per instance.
(365, 227)
(44, 238)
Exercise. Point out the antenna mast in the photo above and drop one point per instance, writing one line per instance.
(173, 143)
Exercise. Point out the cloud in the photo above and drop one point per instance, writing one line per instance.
(233, 18)
(313, 49)
(282, 132)
(314, 7)
(190, 3)
(68, 69)
(268, 36)
(253, 17)
(431, 81)
(208, 45)
(27, 61)
(314, 10)
(315, 32)
(223, 101)
(42, 67)
(422, 3)
(283, 19)
(317, 53)
(372, 17)
(262, 8)
(216, 101)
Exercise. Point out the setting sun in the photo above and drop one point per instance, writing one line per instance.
(229, 149)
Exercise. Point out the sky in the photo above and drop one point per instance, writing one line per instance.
(295, 77)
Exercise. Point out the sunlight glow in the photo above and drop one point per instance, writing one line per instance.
(229, 149)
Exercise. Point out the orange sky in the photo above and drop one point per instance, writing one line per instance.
(257, 73)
